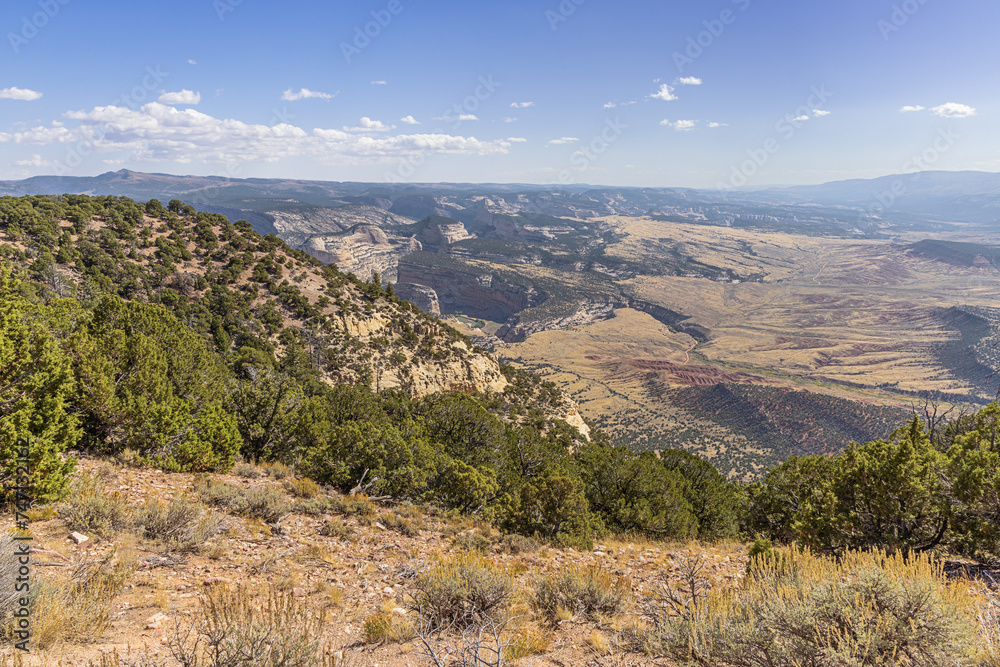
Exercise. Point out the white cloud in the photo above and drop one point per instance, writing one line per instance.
(180, 97)
(35, 161)
(22, 94)
(468, 116)
(666, 93)
(380, 83)
(161, 133)
(191, 62)
(680, 125)
(305, 94)
(521, 105)
(800, 119)
(409, 120)
(715, 124)
(509, 119)
(910, 107)
(610, 105)
(366, 124)
(516, 140)
(562, 140)
(689, 81)
(819, 113)
(953, 110)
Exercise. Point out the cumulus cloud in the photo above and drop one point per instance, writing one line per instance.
(34, 161)
(191, 62)
(409, 120)
(800, 119)
(516, 140)
(689, 81)
(953, 110)
(715, 124)
(509, 119)
(162, 133)
(22, 94)
(679, 125)
(180, 97)
(665, 93)
(911, 107)
(468, 116)
(366, 124)
(305, 94)
(521, 105)
(380, 83)
(562, 140)
(819, 113)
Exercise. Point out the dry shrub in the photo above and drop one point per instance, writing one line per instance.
(864, 610)
(589, 590)
(515, 544)
(385, 626)
(525, 641)
(90, 508)
(265, 503)
(302, 488)
(400, 525)
(77, 607)
(354, 505)
(276, 470)
(247, 470)
(235, 629)
(182, 524)
(472, 541)
(989, 622)
(336, 528)
(462, 591)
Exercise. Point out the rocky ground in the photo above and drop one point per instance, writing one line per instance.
(367, 570)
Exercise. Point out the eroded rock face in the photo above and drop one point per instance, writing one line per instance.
(487, 296)
(515, 330)
(368, 250)
(472, 374)
(440, 234)
(424, 298)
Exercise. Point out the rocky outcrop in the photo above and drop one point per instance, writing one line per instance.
(424, 298)
(488, 296)
(439, 233)
(366, 251)
(473, 374)
(515, 330)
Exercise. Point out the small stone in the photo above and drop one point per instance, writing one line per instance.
(79, 538)
(212, 581)
(388, 590)
(155, 625)
(156, 617)
(399, 611)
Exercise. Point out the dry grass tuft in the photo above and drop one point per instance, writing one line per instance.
(589, 590)
(863, 610)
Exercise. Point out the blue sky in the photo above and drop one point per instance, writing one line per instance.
(715, 93)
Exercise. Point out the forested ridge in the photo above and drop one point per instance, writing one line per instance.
(174, 337)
